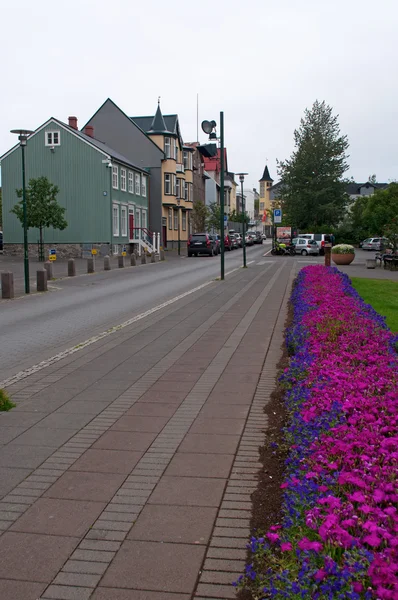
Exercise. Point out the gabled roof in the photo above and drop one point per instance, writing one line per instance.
(162, 124)
(353, 188)
(107, 151)
(266, 176)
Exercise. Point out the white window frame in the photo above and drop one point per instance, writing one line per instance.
(186, 190)
(115, 225)
(178, 186)
(49, 138)
(167, 184)
(176, 152)
(144, 220)
(175, 220)
(137, 179)
(131, 182)
(184, 220)
(123, 221)
(185, 158)
(174, 148)
(137, 218)
(123, 180)
(167, 147)
(115, 177)
(173, 179)
(170, 220)
(143, 185)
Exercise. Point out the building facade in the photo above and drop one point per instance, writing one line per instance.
(104, 194)
(176, 176)
(265, 201)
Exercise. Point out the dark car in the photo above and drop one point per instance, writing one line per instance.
(202, 243)
(217, 239)
(1, 241)
(257, 237)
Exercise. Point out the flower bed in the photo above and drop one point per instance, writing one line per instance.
(338, 533)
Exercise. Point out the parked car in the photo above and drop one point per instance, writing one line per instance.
(249, 239)
(263, 236)
(240, 239)
(227, 242)
(304, 246)
(218, 242)
(375, 243)
(1, 241)
(234, 240)
(201, 243)
(318, 237)
(257, 237)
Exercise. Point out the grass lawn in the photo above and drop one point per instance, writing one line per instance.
(382, 294)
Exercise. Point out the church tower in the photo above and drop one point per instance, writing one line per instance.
(265, 198)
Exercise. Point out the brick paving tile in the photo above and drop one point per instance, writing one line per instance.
(177, 566)
(217, 564)
(200, 465)
(208, 590)
(75, 485)
(107, 461)
(149, 409)
(218, 426)
(123, 440)
(24, 456)
(118, 594)
(209, 443)
(78, 579)
(140, 423)
(33, 557)
(188, 491)
(178, 524)
(60, 592)
(59, 517)
(9, 478)
(20, 590)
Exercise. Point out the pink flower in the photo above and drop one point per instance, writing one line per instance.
(273, 537)
(286, 547)
(357, 587)
(320, 575)
(306, 544)
(372, 540)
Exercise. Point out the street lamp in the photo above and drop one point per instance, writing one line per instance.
(209, 127)
(179, 238)
(23, 136)
(241, 179)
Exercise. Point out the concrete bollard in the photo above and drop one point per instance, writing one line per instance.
(107, 263)
(153, 257)
(90, 265)
(71, 267)
(370, 263)
(120, 262)
(162, 255)
(49, 269)
(7, 285)
(133, 260)
(143, 258)
(41, 280)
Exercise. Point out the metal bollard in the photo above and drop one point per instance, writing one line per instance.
(120, 262)
(41, 280)
(107, 263)
(153, 257)
(143, 258)
(133, 260)
(7, 285)
(49, 268)
(90, 265)
(71, 267)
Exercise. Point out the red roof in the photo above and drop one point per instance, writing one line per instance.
(214, 163)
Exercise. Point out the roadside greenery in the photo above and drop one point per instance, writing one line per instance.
(313, 192)
(343, 249)
(5, 402)
(42, 206)
(382, 295)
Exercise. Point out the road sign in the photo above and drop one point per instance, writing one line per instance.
(124, 253)
(94, 251)
(225, 218)
(52, 257)
(277, 215)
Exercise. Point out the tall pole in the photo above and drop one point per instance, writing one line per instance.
(244, 224)
(25, 222)
(179, 237)
(222, 194)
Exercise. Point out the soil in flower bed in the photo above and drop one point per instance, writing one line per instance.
(267, 499)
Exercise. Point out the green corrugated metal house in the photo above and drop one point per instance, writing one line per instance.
(105, 195)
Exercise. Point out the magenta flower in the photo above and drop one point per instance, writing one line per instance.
(306, 544)
(286, 546)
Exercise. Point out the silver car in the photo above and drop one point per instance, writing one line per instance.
(304, 247)
(374, 243)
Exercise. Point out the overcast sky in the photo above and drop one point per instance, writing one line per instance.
(260, 61)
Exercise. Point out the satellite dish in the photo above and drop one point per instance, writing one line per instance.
(207, 126)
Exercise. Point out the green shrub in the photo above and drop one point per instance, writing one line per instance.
(5, 402)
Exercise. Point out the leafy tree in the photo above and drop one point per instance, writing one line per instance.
(214, 215)
(42, 207)
(313, 191)
(199, 217)
(238, 217)
(380, 212)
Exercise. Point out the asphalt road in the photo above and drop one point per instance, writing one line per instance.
(37, 327)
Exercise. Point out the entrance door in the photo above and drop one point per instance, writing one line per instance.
(164, 236)
(131, 225)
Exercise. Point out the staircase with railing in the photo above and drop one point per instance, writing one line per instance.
(147, 240)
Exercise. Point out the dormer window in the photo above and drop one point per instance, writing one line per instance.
(52, 138)
(167, 147)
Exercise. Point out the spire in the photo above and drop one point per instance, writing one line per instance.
(266, 176)
(158, 125)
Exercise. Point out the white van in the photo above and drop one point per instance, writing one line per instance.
(318, 237)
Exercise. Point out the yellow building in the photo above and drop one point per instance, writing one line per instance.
(177, 176)
(265, 198)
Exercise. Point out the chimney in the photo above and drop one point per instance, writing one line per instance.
(72, 122)
(89, 130)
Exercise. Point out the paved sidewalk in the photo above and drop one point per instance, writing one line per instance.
(126, 469)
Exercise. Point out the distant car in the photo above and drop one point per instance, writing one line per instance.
(263, 236)
(249, 239)
(257, 237)
(240, 239)
(217, 239)
(319, 238)
(234, 240)
(227, 242)
(201, 243)
(304, 247)
(375, 244)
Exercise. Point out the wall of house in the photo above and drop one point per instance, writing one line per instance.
(84, 188)
(114, 128)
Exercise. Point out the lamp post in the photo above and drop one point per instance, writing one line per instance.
(22, 136)
(241, 179)
(209, 128)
